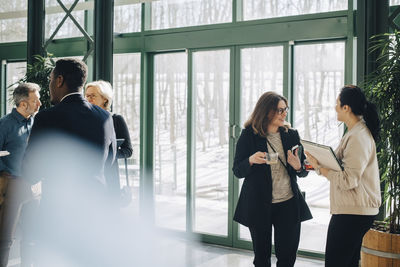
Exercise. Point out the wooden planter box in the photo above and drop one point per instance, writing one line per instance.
(380, 249)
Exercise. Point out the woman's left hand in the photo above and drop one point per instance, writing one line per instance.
(293, 159)
(313, 161)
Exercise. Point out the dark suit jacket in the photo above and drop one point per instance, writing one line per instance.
(254, 204)
(69, 146)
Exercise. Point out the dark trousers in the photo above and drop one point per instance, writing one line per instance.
(14, 192)
(345, 234)
(28, 233)
(286, 236)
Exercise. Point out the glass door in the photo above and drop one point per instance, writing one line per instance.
(126, 89)
(318, 78)
(199, 97)
(211, 87)
(170, 146)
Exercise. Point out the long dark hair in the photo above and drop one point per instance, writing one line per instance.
(355, 98)
(263, 112)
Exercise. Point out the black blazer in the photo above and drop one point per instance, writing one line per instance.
(121, 131)
(123, 151)
(69, 147)
(254, 204)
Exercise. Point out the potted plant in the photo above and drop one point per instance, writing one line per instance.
(39, 72)
(382, 245)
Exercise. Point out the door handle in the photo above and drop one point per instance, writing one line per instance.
(233, 133)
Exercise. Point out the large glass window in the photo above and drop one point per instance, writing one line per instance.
(15, 71)
(394, 2)
(55, 14)
(319, 76)
(261, 9)
(13, 20)
(211, 83)
(126, 84)
(170, 106)
(127, 18)
(181, 13)
(261, 71)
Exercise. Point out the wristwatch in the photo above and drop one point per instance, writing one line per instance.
(300, 170)
(317, 170)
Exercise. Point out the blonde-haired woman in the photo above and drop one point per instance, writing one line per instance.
(270, 195)
(100, 93)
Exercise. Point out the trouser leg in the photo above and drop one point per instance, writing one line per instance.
(345, 234)
(261, 238)
(28, 238)
(286, 232)
(4, 244)
(16, 193)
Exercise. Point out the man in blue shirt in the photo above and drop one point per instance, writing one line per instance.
(15, 128)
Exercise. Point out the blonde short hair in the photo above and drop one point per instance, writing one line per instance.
(105, 90)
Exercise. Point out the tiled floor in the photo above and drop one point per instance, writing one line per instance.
(174, 252)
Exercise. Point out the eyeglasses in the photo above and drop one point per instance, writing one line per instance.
(282, 110)
(91, 96)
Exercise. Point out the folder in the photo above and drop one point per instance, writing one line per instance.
(324, 154)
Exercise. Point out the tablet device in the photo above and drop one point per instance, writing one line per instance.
(324, 154)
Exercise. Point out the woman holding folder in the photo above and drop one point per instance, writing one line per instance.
(355, 195)
(100, 93)
(270, 195)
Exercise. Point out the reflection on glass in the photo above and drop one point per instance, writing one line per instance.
(319, 76)
(15, 71)
(176, 13)
(14, 28)
(394, 2)
(261, 9)
(126, 85)
(170, 149)
(261, 71)
(127, 18)
(13, 5)
(211, 84)
(55, 14)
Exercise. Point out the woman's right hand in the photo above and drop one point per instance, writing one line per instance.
(257, 158)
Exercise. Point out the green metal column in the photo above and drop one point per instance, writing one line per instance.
(89, 28)
(3, 87)
(350, 58)
(104, 28)
(146, 194)
(191, 148)
(36, 17)
(372, 19)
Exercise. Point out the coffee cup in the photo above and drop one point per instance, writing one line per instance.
(271, 158)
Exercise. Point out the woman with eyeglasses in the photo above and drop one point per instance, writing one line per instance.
(355, 195)
(270, 195)
(100, 93)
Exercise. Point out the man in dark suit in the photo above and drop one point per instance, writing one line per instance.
(69, 147)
